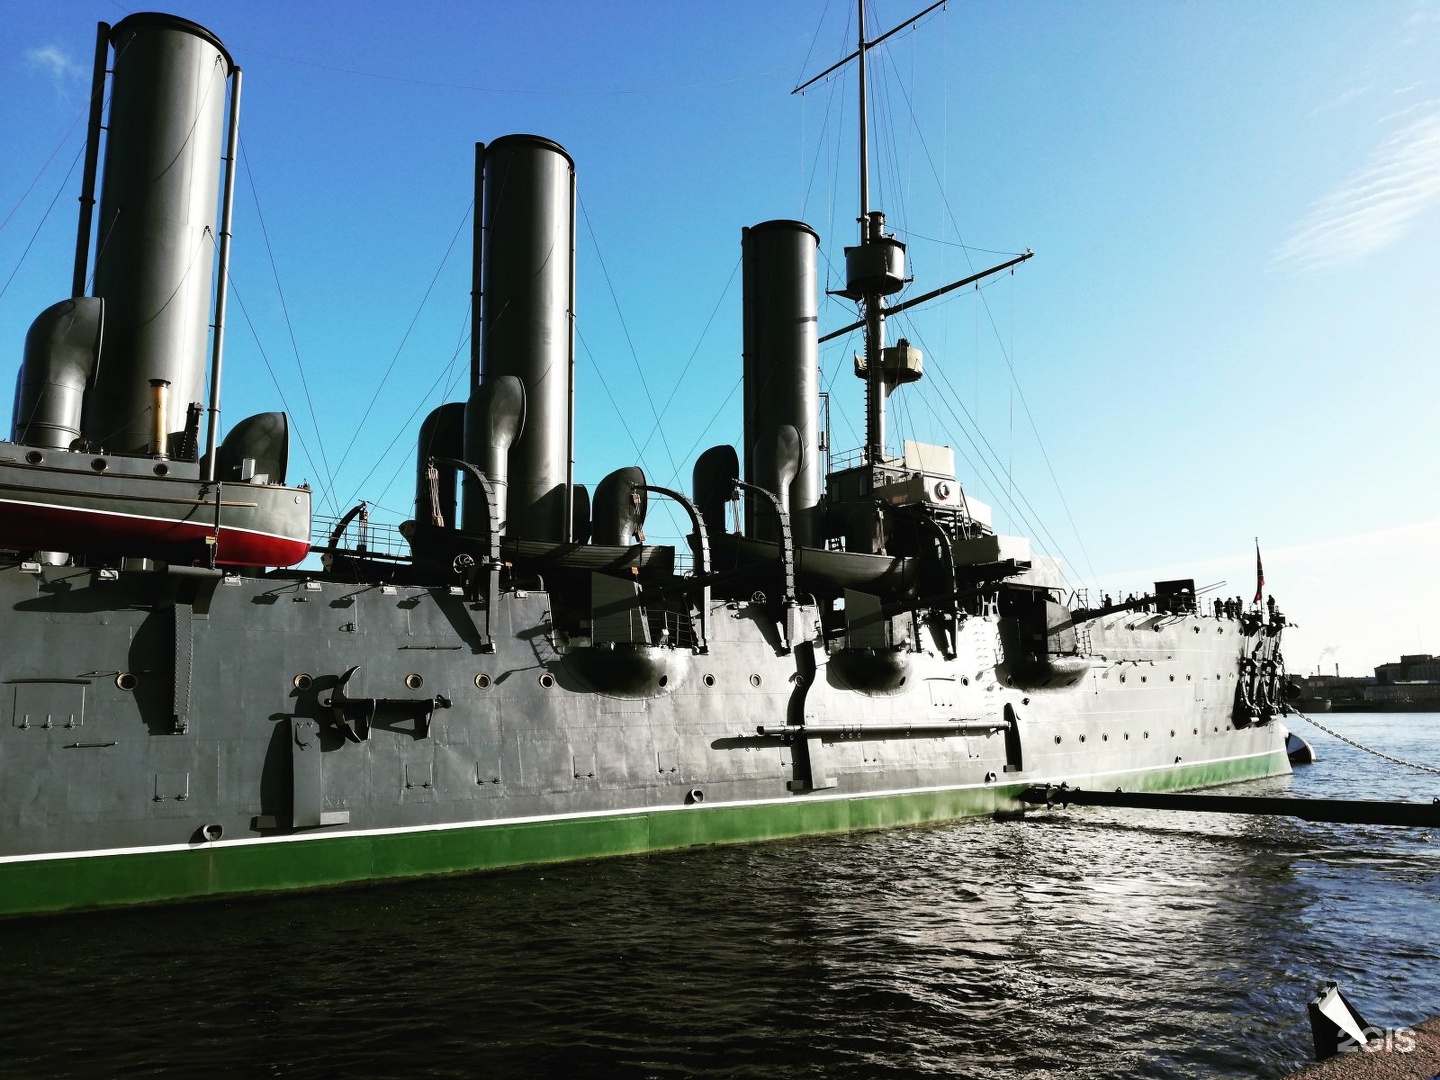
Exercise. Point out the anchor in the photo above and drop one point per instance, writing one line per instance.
(354, 718)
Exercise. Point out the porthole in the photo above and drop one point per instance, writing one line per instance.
(99, 464)
(482, 681)
(1147, 734)
(1172, 733)
(302, 681)
(663, 680)
(1144, 678)
(161, 469)
(755, 680)
(34, 457)
(964, 680)
(1127, 736)
(547, 680)
(1057, 740)
(127, 680)
(1105, 737)
(708, 680)
(1082, 738)
(413, 681)
(1122, 678)
(1195, 731)
(1172, 678)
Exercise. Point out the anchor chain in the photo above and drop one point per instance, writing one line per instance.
(1359, 746)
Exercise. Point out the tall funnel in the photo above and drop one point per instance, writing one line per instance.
(155, 235)
(525, 201)
(782, 446)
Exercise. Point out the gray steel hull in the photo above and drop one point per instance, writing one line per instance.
(171, 739)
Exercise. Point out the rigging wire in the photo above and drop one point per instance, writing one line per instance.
(821, 144)
(449, 369)
(406, 337)
(674, 88)
(45, 167)
(1003, 489)
(327, 480)
(1024, 403)
(254, 333)
(44, 218)
(689, 454)
(1020, 392)
(811, 51)
(634, 356)
(693, 354)
(606, 387)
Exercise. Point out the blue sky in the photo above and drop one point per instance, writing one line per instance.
(1229, 329)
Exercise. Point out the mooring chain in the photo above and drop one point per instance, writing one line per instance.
(1368, 750)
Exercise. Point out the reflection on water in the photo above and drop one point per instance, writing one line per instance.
(1087, 943)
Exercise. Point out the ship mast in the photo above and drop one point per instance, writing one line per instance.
(872, 271)
(872, 305)
(875, 268)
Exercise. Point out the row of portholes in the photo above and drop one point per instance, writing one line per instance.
(1105, 736)
(547, 680)
(128, 681)
(304, 681)
(99, 464)
(1172, 677)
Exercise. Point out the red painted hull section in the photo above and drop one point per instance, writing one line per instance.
(53, 528)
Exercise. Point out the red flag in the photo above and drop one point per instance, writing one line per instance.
(1259, 575)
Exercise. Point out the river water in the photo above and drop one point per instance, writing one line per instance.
(1081, 943)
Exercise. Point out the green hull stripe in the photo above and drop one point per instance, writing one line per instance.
(61, 884)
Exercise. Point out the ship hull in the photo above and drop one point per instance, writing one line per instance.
(172, 741)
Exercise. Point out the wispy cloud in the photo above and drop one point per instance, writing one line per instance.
(1375, 206)
(56, 63)
(1342, 99)
(1423, 15)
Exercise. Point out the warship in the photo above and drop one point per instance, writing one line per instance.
(207, 699)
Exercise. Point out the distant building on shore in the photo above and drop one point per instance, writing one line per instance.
(1411, 683)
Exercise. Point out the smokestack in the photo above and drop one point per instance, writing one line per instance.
(156, 230)
(781, 367)
(525, 200)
